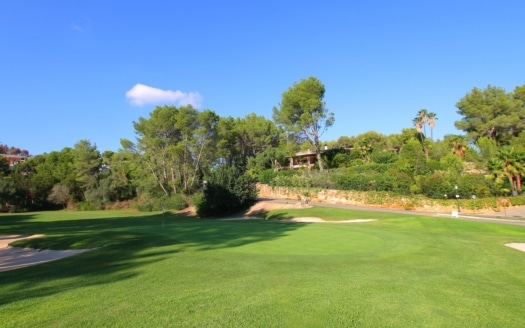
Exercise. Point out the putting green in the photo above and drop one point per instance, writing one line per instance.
(315, 239)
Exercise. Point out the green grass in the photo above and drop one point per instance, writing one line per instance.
(327, 213)
(167, 271)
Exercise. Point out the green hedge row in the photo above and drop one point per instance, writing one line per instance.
(387, 178)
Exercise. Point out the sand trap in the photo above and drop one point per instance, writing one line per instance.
(319, 220)
(303, 219)
(17, 257)
(518, 246)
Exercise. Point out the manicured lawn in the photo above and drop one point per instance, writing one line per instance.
(167, 271)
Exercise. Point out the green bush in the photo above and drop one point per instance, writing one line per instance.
(85, 206)
(227, 190)
(474, 184)
(173, 202)
(266, 176)
(385, 182)
(372, 168)
(384, 157)
(339, 160)
(359, 182)
(434, 185)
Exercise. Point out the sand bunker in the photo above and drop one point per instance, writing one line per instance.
(518, 246)
(303, 219)
(319, 220)
(17, 257)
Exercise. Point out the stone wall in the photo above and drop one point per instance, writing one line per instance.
(374, 199)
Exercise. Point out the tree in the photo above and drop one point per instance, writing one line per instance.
(228, 151)
(193, 153)
(423, 119)
(497, 173)
(228, 189)
(458, 144)
(432, 117)
(4, 166)
(492, 113)
(303, 114)
(256, 133)
(487, 147)
(86, 164)
(59, 195)
(156, 136)
(177, 146)
(243, 138)
(419, 123)
(364, 148)
(412, 158)
(513, 164)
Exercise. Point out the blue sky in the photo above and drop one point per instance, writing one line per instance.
(72, 70)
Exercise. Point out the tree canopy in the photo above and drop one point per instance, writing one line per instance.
(179, 148)
(303, 114)
(493, 113)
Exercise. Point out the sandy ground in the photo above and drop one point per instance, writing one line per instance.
(518, 246)
(265, 206)
(16, 257)
(302, 219)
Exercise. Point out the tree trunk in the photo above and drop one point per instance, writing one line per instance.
(318, 150)
(319, 159)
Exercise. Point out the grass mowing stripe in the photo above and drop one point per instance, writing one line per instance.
(397, 271)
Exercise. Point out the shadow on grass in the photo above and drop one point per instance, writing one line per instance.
(122, 247)
(279, 216)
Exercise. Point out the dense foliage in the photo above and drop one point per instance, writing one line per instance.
(227, 190)
(178, 148)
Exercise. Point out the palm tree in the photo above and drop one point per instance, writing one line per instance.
(418, 124)
(432, 123)
(364, 149)
(459, 147)
(513, 165)
(423, 115)
(497, 173)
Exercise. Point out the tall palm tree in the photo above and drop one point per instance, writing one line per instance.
(431, 117)
(418, 124)
(423, 115)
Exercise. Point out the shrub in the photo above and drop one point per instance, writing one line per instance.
(384, 157)
(227, 190)
(434, 185)
(173, 202)
(266, 176)
(85, 206)
(359, 182)
(475, 184)
(339, 160)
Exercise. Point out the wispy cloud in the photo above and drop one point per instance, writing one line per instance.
(142, 94)
(76, 27)
(81, 25)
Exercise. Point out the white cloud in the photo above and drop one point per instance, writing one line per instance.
(142, 94)
(82, 25)
(77, 27)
